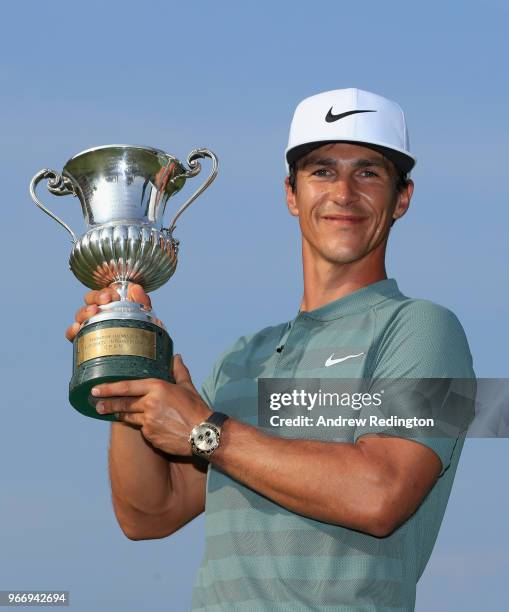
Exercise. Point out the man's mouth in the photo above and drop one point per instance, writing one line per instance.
(348, 219)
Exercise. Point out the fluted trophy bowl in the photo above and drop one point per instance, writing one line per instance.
(123, 252)
(123, 191)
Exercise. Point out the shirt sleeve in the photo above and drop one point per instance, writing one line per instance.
(207, 390)
(424, 341)
(209, 386)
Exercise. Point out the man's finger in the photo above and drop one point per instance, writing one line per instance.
(124, 388)
(136, 293)
(85, 313)
(91, 297)
(122, 405)
(104, 296)
(71, 331)
(132, 418)
(180, 372)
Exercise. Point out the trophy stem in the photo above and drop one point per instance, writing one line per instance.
(123, 308)
(122, 288)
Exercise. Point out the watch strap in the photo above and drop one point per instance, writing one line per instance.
(217, 418)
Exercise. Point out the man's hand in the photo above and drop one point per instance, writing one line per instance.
(94, 299)
(165, 412)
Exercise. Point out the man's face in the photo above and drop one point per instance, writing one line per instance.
(346, 199)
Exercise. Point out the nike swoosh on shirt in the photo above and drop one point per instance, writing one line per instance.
(330, 118)
(330, 361)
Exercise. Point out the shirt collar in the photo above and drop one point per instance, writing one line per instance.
(358, 300)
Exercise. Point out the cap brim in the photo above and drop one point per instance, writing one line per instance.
(403, 162)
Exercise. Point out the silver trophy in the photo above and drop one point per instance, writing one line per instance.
(123, 190)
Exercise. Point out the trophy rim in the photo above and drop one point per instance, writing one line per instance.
(121, 146)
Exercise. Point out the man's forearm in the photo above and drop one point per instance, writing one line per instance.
(328, 481)
(140, 475)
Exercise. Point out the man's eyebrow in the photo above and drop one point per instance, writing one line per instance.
(317, 161)
(330, 161)
(362, 163)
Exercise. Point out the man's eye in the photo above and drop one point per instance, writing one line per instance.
(321, 172)
(369, 173)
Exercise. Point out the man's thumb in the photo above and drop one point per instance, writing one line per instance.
(180, 372)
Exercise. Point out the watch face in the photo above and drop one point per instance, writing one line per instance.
(206, 438)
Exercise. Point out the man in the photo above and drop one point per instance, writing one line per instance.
(303, 524)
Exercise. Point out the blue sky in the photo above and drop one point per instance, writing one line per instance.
(228, 76)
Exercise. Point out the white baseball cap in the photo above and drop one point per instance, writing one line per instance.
(354, 116)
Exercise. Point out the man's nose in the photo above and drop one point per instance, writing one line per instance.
(343, 192)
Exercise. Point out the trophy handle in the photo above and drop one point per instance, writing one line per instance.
(194, 169)
(57, 185)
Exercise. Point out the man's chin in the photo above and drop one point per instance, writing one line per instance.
(343, 256)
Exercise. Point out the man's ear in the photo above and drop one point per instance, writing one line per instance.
(404, 198)
(290, 199)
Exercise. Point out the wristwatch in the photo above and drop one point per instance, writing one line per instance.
(205, 437)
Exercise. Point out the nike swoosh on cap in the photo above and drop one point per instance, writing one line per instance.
(330, 361)
(330, 118)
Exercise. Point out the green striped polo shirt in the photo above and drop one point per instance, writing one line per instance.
(259, 555)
